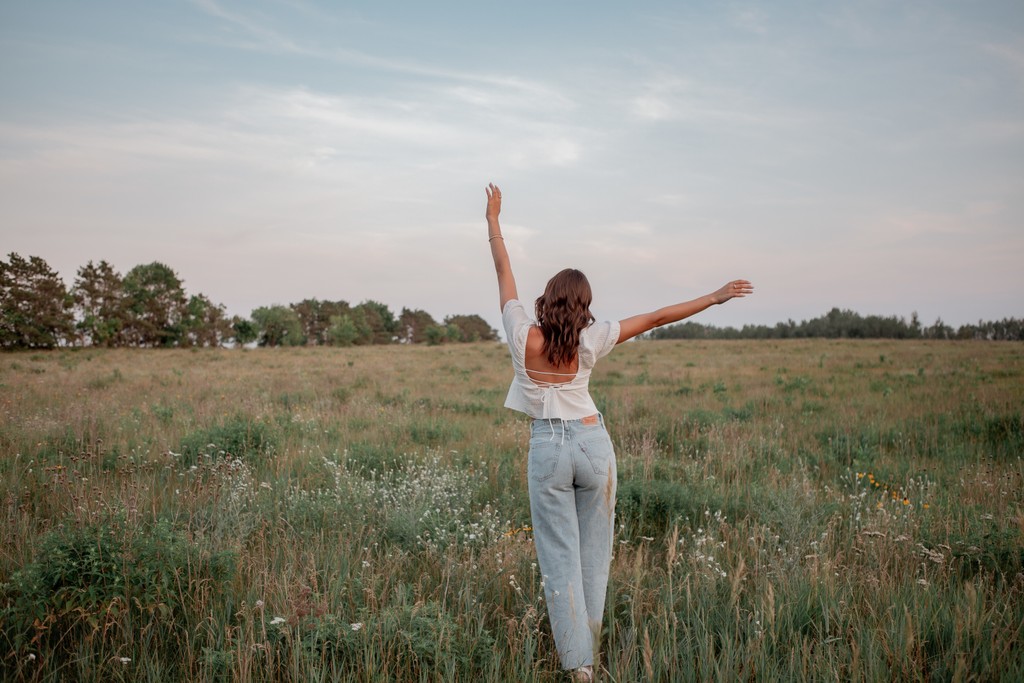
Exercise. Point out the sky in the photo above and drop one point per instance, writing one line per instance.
(866, 155)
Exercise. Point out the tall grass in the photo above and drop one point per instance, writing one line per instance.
(787, 510)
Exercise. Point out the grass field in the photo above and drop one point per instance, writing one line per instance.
(791, 510)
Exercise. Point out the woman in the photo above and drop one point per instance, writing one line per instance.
(571, 464)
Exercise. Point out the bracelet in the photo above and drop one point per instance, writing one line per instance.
(495, 237)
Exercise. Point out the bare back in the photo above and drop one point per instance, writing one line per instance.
(537, 365)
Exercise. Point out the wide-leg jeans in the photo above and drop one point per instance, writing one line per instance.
(572, 480)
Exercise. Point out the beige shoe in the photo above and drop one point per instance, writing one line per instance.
(584, 674)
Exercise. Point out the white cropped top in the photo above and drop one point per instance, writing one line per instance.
(566, 401)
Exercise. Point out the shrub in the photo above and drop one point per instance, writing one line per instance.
(87, 582)
(411, 642)
(239, 437)
(652, 507)
(988, 550)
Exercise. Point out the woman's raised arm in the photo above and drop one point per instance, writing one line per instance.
(502, 265)
(638, 324)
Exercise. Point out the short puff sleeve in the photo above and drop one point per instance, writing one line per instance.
(513, 317)
(600, 338)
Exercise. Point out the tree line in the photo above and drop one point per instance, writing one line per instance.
(149, 307)
(846, 324)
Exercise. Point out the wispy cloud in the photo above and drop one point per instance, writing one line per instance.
(511, 97)
(750, 18)
(325, 116)
(261, 37)
(434, 124)
(1010, 55)
(667, 97)
(331, 144)
(85, 146)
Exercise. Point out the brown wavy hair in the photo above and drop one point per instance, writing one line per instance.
(563, 311)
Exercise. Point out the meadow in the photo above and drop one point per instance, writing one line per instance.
(787, 510)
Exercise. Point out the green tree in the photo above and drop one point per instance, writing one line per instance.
(35, 307)
(99, 304)
(453, 333)
(380, 320)
(939, 330)
(413, 325)
(315, 317)
(915, 329)
(436, 335)
(343, 330)
(155, 305)
(472, 328)
(244, 331)
(278, 326)
(204, 323)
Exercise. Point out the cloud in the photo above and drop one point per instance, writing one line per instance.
(665, 97)
(340, 144)
(749, 19)
(509, 96)
(1010, 55)
(522, 122)
(549, 150)
(322, 115)
(425, 127)
(260, 37)
(101, 147)
(976, 223)
(630, 229)
(918, 225)
(294, 130)
(673, 199)
(650, 107)
(991, 131)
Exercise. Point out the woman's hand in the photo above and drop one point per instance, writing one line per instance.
(734, 289)
(493, 202)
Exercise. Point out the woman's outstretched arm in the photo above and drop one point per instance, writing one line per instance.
(502, 265)
(638, 324)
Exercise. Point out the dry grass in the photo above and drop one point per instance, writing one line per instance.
(344, 514)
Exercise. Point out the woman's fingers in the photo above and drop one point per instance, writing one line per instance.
(733, 290)
(493, 201)
(741, 287)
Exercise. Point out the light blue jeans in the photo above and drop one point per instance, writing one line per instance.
(571, 474)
